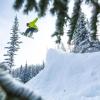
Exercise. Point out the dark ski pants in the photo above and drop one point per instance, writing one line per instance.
(29, 31)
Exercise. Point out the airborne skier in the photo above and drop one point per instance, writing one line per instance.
(31, 28)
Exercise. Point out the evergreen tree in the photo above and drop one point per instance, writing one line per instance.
(13, 45)
(26, 74)
(80, 34)
(81, 37)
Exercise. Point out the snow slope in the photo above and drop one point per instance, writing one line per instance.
(69, 77)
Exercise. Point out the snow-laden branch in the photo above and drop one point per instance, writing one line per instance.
(16, 88)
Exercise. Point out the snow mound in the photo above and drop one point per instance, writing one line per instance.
(69, 77)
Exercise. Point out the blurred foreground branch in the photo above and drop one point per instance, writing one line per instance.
(11, 89)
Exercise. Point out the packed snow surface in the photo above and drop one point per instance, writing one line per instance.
(68, 76)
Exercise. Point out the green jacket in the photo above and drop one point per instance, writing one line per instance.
(32, 24)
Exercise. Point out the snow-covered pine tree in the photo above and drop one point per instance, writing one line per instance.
(81, 37)
(13, 45)
(81, 34)
(26, 75)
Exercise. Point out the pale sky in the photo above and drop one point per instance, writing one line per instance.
(32, 50)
